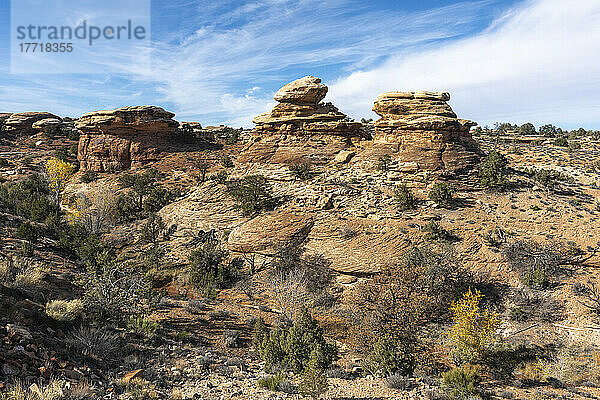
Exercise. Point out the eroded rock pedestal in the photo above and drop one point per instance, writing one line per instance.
(123, 138)
(421, 128)
(301, 127)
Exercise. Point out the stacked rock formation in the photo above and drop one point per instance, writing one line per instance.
(301, 112)
(301, 127)
(22, 123)
(421, 128)
(123, 138)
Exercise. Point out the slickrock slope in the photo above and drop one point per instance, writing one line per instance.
(22, 123)
(421, 128)
(123, 138)
(301, 127)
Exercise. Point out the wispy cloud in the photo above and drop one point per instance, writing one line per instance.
(206, 67)
(538, 62)
(220, 62)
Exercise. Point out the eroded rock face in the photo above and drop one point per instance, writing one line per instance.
(421, 128)
(22, 123)
(123, 138)
(267, 233)
(303, 126)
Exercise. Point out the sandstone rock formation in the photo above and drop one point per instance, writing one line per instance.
(420, 128)
(22, 123)
(123, 138)
(47, 124)
(300, 127)
(300, 112)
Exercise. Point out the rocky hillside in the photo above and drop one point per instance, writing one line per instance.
(142, 257)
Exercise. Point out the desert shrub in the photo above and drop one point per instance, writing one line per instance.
(561, 141)
(399, 382)
(115, 293)
(292, 347)
(92, 252)
(314, 382)
(548, 178)
(540, 264)
(260, 332)
(99, 344)
(28, 198)
(288, 291)
(226, 161)
(195, 306)
(207, 268)
(157, 198)
(495, 237)
(64, 310)
(3, 162)
(473, 328)
(589, 296)
(53, 390)
(401, 300)
(442, 193)
(301, 170)
(383, 163)
(252, 194)
(95, 211)
(296, 280)
(141, 184)
(232, 339)
(271, 382)
(493, 172)
(30, 234)
(59, 172)
(462, 383)
(593, 167)
(219, 177)
(435, 232)
(232, 135)
(20, 273)
(126, 208)
(143, 326)
(62, 153)
(391, 355)
(153, 229)
(404, 198)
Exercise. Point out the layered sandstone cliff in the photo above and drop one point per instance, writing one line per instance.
(123, 138)
(421, 128)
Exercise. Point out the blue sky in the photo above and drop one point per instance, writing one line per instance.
(221, 61)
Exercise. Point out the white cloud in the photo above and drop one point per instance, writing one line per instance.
(539, 62)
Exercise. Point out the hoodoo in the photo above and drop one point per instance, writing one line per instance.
(421, 128)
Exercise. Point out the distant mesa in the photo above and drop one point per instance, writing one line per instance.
(421, 128)
(123, 138)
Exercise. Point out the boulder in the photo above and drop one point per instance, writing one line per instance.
(421, 128)
(307, 90)
(123, 138)
(21, 124)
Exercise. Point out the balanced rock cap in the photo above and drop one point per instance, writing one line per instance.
(307, 90)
